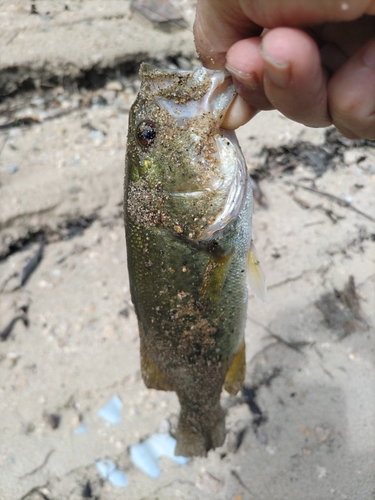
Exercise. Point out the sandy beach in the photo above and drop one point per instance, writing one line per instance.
(303, 427)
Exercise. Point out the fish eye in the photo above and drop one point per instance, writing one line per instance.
(146, 133)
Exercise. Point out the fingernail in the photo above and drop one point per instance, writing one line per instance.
(278, 72)
(369, 57)
(248, 80)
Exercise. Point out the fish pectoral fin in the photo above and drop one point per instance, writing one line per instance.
(235, 376)
(152, 376)
(214, 278)
(255, 274)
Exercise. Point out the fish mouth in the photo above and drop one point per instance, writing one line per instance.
(186, 94)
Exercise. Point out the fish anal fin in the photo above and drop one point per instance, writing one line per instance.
(255, 273)
(152, 376)
(235, 376)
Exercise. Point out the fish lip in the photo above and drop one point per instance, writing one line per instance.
(214, 88)
(150, 71)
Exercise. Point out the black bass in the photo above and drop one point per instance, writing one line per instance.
(188, 210)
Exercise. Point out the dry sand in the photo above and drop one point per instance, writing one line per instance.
(304, 427)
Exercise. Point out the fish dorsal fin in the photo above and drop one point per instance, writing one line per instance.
(255, 274)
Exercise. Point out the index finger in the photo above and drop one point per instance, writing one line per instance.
(221, 23)
(218, 25)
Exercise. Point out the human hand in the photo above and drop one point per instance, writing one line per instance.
(313, 60)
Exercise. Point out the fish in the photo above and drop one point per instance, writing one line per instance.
(188, 224)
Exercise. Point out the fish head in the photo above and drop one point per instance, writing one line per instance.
(176, 147)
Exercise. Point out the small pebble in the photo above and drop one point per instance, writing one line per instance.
(12, 169)
(96, 135)
(81, 429)
(98, 100)
(109, 95)
(183, 63)
(53, 420)
(114, 85)
(111, 412)
(323, 433)
(109, 471)
(321, 472)
(351, 156)
(146, 455)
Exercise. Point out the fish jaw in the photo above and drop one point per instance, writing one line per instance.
(236, 192)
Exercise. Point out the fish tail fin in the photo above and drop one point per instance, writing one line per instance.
(195, 440)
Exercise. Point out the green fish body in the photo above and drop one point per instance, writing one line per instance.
(188, 209)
